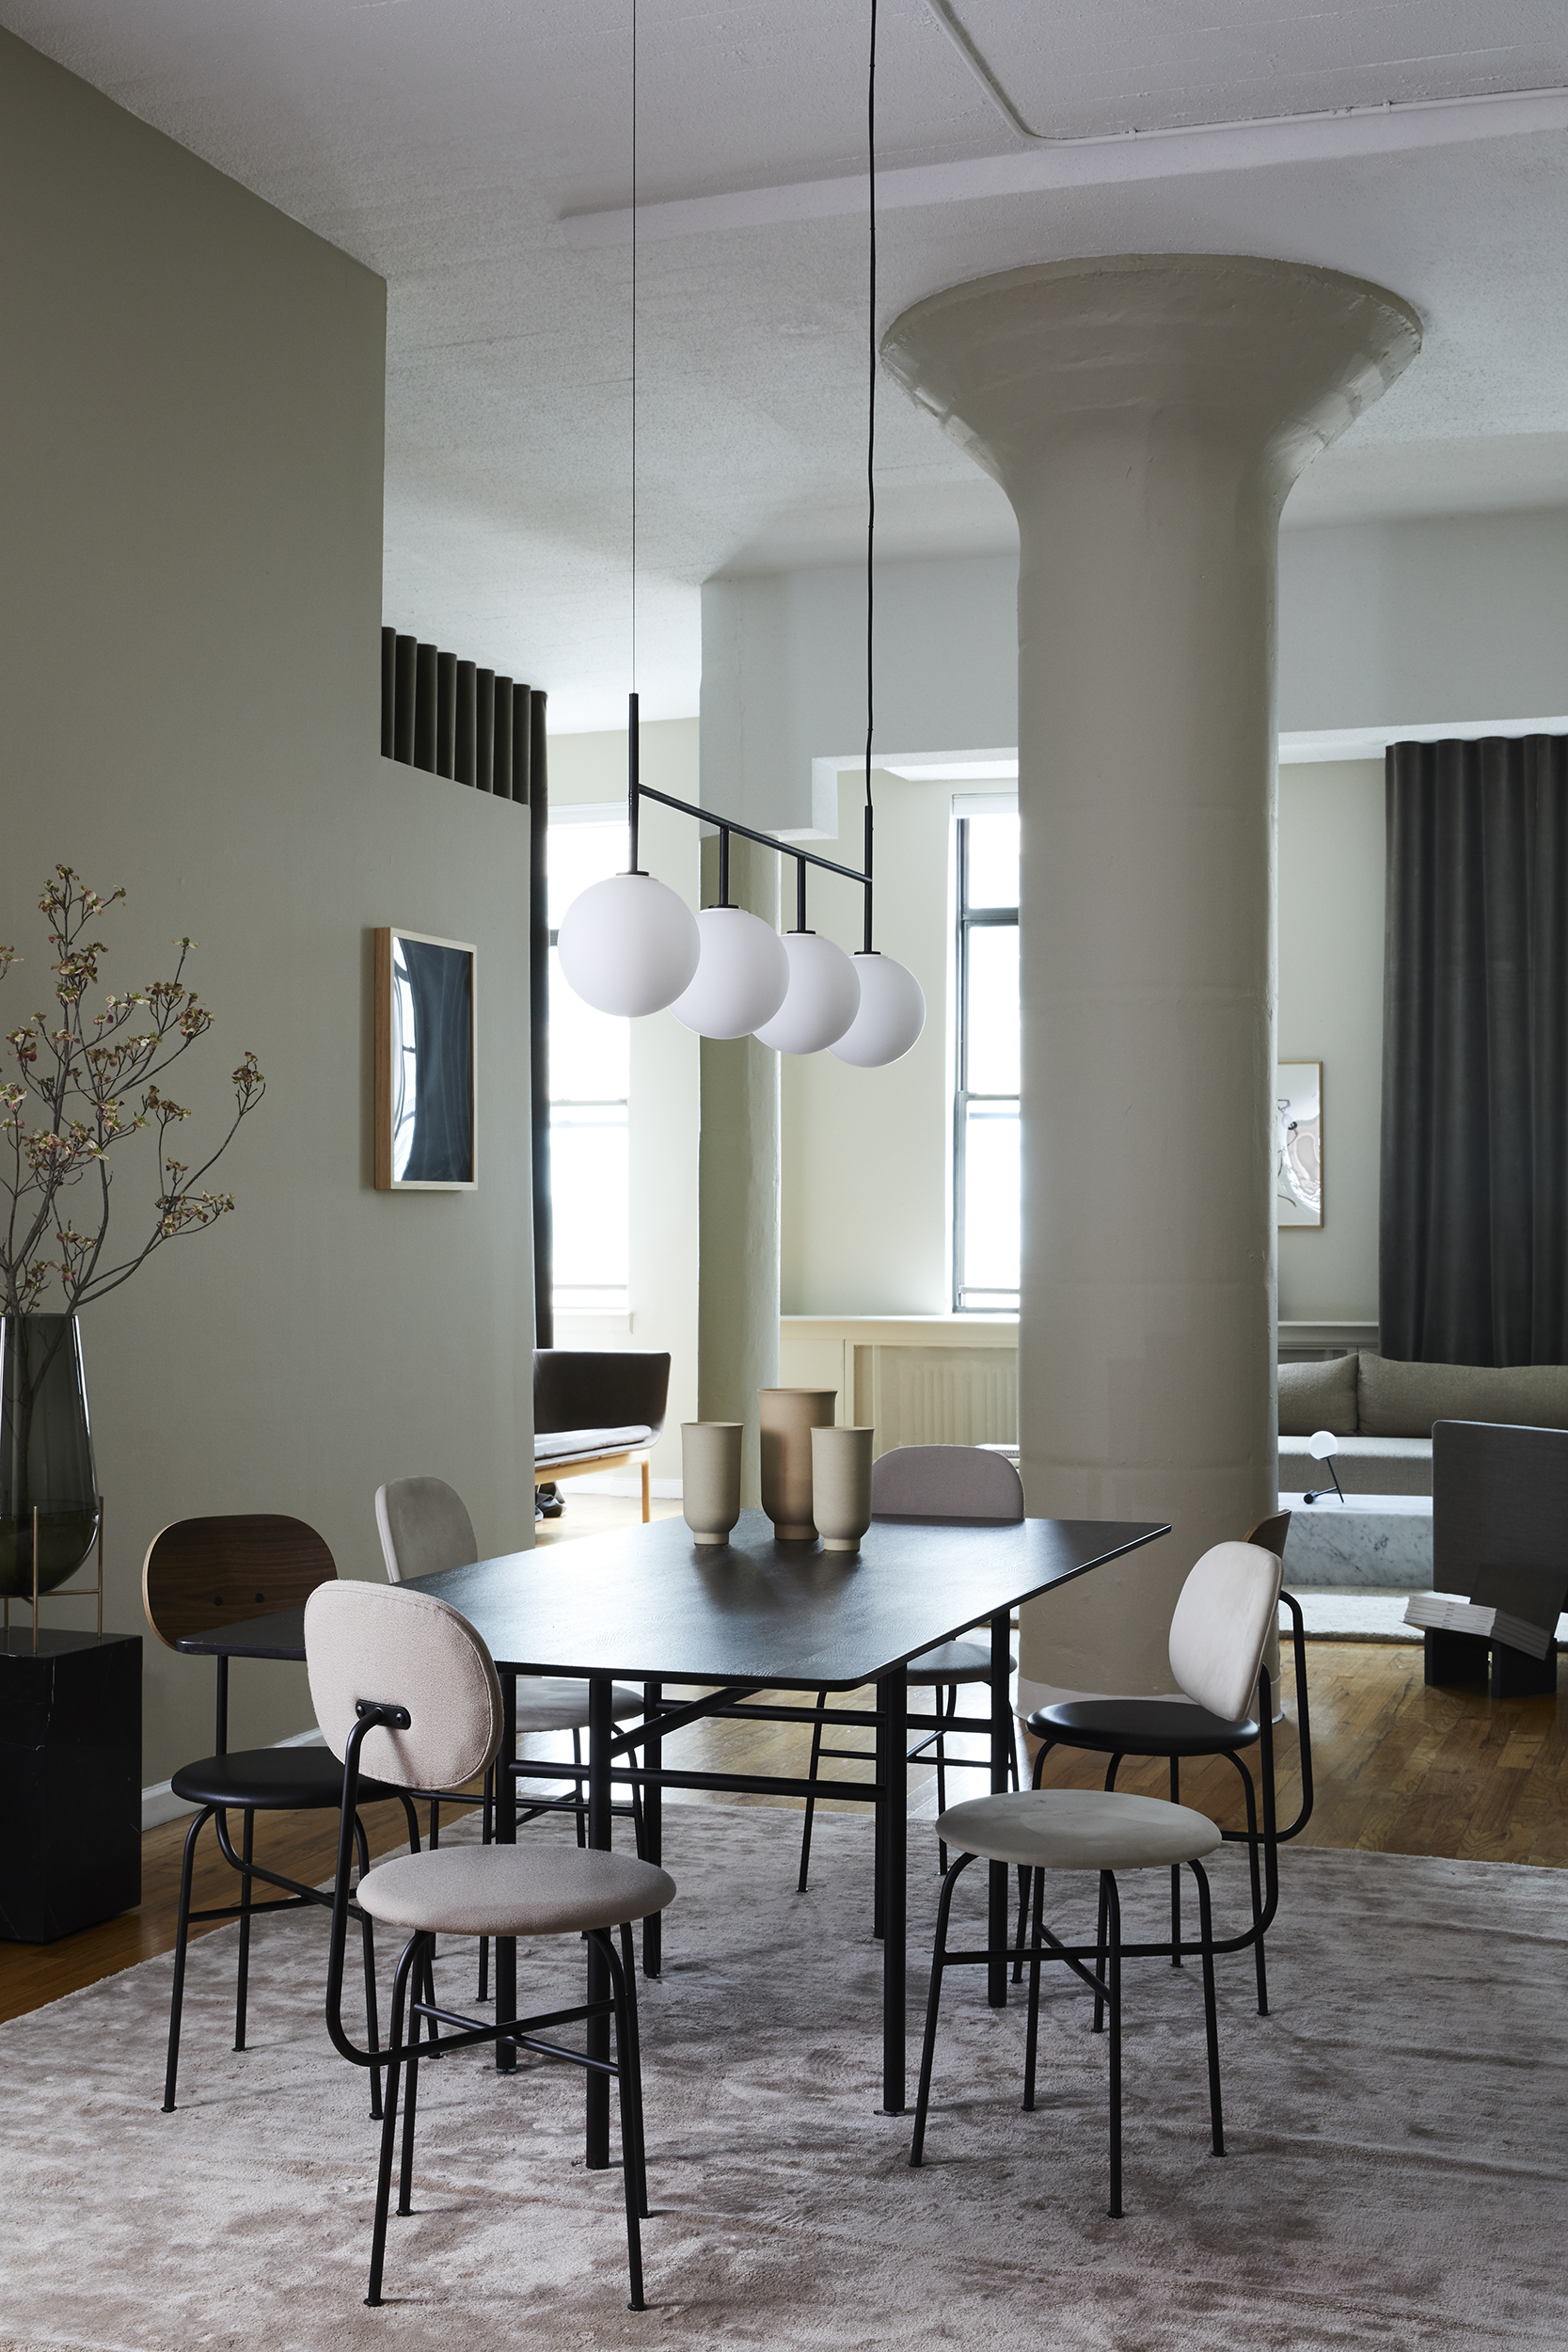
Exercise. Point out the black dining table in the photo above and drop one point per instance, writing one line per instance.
(702, 1628)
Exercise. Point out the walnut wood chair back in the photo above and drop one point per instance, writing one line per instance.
(204, 1574)
(1269, 1533)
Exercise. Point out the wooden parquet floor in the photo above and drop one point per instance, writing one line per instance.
(1398, 1769)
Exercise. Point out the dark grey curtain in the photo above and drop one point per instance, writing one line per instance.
(539, 1024)
(1473, 1232)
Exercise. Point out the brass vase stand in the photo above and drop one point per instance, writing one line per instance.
(68, 1592)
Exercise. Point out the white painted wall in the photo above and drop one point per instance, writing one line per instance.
(190, 405)
(1331, 875)
(665, 1099)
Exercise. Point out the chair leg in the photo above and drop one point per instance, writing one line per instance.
(947, 1705)
(435, 1824)
(1023, 1878)
(1034, 1996)
(242, 1982)
(576, 1790)
(1113, 1995)
(631, 2122)
(1211, 2020)
(181, 1938)
(1099, 2026)
(486, 1836)
(811, 1799)
(1175, 1876)
(405, 2170)
(388, 2126)
(933, 2002)
(367, 1941)
(635, 2058)
(646, 1516)
(1257, 1886)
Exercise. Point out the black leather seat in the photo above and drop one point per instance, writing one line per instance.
(1140, 1727)
(273, 1780)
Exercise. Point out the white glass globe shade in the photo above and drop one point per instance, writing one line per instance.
(629, 944)
(824, 997)
(741, 974)
(892, 1014)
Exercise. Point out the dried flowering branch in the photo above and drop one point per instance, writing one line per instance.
(84, 1084)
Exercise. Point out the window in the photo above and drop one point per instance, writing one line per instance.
(589, 1084)
(986, 1161)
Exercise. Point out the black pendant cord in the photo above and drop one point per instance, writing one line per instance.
(870, 447)
(633, 719)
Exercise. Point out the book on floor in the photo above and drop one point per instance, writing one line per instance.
(1447, 1612)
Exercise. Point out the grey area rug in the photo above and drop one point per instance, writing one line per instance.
(1397, 2132)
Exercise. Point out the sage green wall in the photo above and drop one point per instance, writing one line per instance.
(191, 405)
(1331, 887)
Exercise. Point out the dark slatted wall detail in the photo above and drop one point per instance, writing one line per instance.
(455, 720)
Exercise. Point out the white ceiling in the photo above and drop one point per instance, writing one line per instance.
(456, 144)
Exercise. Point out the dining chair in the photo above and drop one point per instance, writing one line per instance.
(1228, 1606)
(401, 1680)
(425, 1529)
(1119, 1728)
(965, 1484)
(198, 1576)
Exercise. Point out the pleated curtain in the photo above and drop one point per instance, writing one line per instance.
(1473, 1226)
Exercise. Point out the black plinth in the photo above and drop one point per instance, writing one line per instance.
(70, 1781)
(1472, 1662)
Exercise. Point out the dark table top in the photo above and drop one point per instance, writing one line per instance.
(646, 1604)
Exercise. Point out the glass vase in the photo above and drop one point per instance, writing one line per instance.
(46, 1459)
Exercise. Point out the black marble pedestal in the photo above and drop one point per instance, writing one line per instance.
(70, 1781)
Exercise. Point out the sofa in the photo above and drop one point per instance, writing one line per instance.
(1381, 1412)
(596, 1409)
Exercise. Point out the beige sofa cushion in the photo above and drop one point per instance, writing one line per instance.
(1395, 1400)
(1318, 1396)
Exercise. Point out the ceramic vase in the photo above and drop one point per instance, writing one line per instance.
(788, 1417)
(710, 1478)
(841, 1486)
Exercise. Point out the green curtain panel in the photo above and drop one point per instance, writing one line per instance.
(1473, 1228)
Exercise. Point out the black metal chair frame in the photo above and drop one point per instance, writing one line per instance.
(1272, 1837)
(1102, 1978)
(522, 2033)
(296, 1898)
(936, 1728)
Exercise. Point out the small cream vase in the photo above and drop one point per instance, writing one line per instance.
(710, 1478)
(841, 1486)
(788, 1417)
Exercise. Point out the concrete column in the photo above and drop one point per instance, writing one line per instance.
(738, 1195)
(1147, 417)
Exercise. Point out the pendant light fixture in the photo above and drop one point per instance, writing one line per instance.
(630, 946)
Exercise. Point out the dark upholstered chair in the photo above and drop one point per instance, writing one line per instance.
(596, 1409)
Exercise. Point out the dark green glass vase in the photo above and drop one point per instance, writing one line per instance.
(46, 1453)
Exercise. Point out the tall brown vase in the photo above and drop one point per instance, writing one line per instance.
(788, 1417)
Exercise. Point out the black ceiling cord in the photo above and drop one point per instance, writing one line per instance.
(870, 439)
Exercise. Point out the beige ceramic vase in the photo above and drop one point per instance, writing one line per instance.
(710, 1478)
(841, 1486)
(788, 1417)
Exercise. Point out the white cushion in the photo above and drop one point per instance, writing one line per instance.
(559, 1445)
(531, 1890)
(390, 1646)
(547, 1703)
(1224, 1613)
(1078, 1829)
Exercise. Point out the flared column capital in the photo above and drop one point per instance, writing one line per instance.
(1276, 357)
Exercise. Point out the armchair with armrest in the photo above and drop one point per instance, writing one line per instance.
(596, 1409)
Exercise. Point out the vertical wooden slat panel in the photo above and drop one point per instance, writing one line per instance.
(485, 729)
(402, 714)
(388, 692)
(500, 773)
(464, 753)
(425, 708)
(521, 743)
(446, 714)
(539, 1025)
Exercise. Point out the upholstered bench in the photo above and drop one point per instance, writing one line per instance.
(1382, 1413)
(596, 1409)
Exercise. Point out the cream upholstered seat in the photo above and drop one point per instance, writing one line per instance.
(957, 1485)
(399, 1680)
(514, 1890)
(1222, 1622)
(1074, 1829)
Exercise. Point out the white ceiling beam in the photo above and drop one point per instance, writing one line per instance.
(1130, 155)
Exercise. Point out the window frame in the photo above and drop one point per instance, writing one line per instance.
(967, 920)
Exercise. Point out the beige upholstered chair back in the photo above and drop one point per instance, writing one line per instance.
(424, 1528)
(1227, 1609)
(945, 1482)
(404, 1650)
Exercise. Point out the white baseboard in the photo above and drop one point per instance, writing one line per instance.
(618, 1482)
(159, 1803)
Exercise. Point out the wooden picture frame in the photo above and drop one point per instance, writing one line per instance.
(426, 1062)
(1298, 1144)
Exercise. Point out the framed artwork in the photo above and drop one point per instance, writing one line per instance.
(425, 1015)
(1298, 1143)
